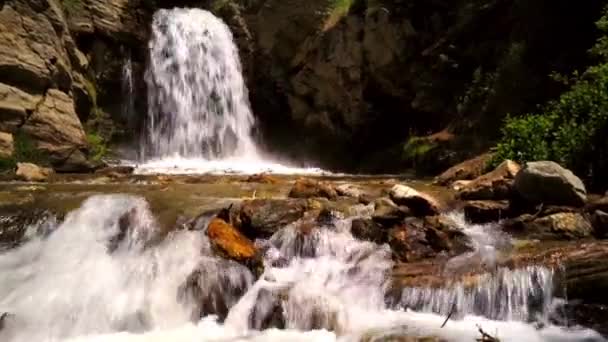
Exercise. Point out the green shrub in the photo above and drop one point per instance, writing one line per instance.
(25, 150)
(99, 147)
(570, 130)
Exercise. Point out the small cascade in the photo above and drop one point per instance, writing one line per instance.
(107, 273)
(509, 295)
(198, 101)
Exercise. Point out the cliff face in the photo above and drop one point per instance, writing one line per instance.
(343, 82)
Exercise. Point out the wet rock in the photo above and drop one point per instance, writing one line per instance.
(268, 310)
(495, 185)
(549, 183)
(459, 242)
(486, 211)
(214, 287)
(419, 203)
(32, 173)
(414, 241)
(230, 243)
(467, 170)
(594, 204)
(559, 226)
(262, 178)
(599, 220)
(6, 145)
(387, 213)
(14, 224)
(369, 230)
(307, 188)
(349, 190)
(263, 217)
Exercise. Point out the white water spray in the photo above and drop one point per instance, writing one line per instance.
(102, 275)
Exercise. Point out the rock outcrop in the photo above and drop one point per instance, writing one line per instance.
(467, 170)
(7, 147)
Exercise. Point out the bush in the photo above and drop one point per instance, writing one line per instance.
(570, 130)
(99, 148)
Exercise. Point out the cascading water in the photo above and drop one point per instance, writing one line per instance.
(105, 275)
(128, 105)
(199, 117)
(198, 98)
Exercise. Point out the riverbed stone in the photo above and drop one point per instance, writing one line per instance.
(261, 218)
(32, 173)
(387, 213)
(495, 185)
(560, 226)
(549, 183)
(369, 230)
(310, 188)
(419, 203)
(486, 211)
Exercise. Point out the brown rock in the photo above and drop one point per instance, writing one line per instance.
(561, 226)
(414, 240)
(368, 230)
(262, 178)
(32, 173)
(387, 213)
(263, 217)
(228, 242)
(115, 170)
(420, 204)
(6, 145)
(307, 188)
(486, 211)
(495, 185)
(467, 170)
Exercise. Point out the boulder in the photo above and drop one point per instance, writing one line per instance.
(6, 145)
(420, 204)
(486, 211)
(32, 173)
(467, 170)
(214, 287)
(414, 240)
(261, 218)
(369, 230)
(387, 213)
(268, 310)
(495, 185)
(560, 226)
(549, 183)
(307, 188)
(57, 131)
(230, 243)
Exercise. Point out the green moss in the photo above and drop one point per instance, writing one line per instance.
(99, 147)
(25, 150)
(72, 6)
(416, 148)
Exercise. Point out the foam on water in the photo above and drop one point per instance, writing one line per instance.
(102, 275)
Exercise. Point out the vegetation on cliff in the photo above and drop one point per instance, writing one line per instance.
(570, 130)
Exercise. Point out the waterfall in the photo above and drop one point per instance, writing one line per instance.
(198, 101)
(106, 273)
(128, 105)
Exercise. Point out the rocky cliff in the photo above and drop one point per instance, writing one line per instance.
(347, 83)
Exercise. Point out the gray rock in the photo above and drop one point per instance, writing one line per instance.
(549, 183)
